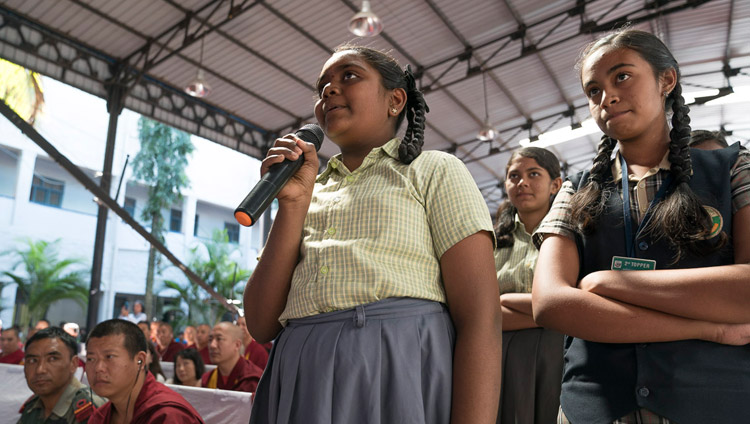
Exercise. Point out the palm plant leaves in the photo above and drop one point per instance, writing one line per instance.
(218, 270)
(44, 279)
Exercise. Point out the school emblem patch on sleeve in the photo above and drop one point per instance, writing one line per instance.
(717, 222)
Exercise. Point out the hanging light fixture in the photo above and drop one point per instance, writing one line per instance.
(488, 132)
(198, 87)
(365, 23)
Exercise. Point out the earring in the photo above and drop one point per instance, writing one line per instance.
(394, 111)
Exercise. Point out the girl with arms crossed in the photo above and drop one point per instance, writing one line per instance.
(648, 281)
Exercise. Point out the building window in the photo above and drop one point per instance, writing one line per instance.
(175, 220)
(47, 191)
(129, 206)
(233, 232)
(195, 226)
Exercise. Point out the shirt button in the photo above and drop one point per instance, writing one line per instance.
(642, 345)
(643, 245)
(336, 199)
(640, 184)
(643, 391)
(324, 269)
(349, 178)
(331, 231)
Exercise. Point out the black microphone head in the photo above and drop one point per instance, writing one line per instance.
(311, 133)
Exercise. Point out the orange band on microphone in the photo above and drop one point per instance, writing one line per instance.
(243, 218)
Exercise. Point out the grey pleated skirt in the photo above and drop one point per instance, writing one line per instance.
(532, 376)
(386, 362)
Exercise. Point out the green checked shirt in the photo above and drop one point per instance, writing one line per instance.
(515, 264)
(379, 232)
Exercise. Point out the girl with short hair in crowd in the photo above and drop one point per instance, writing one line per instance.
(378, 275)
(645, 257)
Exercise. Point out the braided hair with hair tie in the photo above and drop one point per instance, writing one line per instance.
(416, 107)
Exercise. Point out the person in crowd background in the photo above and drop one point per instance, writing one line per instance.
(116, 367)
(188, 368)
(154, 364)
(154, 327)
(50, 363)
(189, 336)
(708, 140)
(362, 260)
(201, 342)
(10, 342)
(125, 313)
(167, 347)
(138, 314)
(40, 325)
(532, 356)
(667, 341)
(232, 372)
(253, 351)
(146, 329)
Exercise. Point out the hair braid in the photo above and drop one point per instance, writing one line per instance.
(411, 144)
(588, 203)
(504, 224)
(681, 218)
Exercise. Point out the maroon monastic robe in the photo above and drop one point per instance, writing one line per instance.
(243, 378)
(156, 404)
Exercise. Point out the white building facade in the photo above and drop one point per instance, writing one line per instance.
(40, 200)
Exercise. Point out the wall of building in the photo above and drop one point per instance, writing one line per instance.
(76, 124)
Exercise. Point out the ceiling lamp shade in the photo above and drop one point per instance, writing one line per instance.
(488, 132)
(365, 23)
(198, 86)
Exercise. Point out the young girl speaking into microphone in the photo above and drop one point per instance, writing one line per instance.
(377, 279)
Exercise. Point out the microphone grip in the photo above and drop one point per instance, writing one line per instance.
(261, 196)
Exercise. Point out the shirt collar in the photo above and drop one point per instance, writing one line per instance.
(66, 399)
(522, 228)
(390, 148)
(617, 169)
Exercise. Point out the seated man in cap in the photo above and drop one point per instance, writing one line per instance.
(116, 368)
(232, 372)
(50, 364)
(10, 344)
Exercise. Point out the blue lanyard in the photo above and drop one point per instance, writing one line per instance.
(629, 235)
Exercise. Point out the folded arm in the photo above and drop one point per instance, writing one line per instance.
(719, 294)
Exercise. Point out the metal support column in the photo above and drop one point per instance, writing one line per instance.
(115, 93)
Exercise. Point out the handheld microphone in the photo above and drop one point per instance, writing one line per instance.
(261, 196)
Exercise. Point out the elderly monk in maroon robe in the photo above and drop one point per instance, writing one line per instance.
(116, 368)
(233, 372)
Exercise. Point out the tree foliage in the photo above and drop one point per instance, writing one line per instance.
(161, 165)
(43, 279)
(21, 90)
(213, 262)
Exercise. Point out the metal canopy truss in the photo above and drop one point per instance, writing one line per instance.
(42, 50)
(261, 58)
